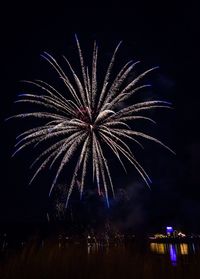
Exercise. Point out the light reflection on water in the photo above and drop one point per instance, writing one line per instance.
(174, 250)
(138, 260)
(95, 248)
(173, 254)
(171, 250)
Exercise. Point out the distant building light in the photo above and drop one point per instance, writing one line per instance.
(181, 234)
(169, 230)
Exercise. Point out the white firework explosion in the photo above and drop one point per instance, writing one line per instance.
(86, 119)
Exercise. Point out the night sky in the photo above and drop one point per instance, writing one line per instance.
(166, 36)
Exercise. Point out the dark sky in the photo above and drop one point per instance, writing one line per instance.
(164, 35)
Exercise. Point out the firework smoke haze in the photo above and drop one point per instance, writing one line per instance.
(86, 119)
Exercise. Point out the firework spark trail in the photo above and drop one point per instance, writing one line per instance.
(86, 120)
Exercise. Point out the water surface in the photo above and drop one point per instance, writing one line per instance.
(51, 259)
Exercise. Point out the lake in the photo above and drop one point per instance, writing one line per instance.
(53, 259)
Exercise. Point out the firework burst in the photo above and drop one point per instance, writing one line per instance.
(86, 119)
